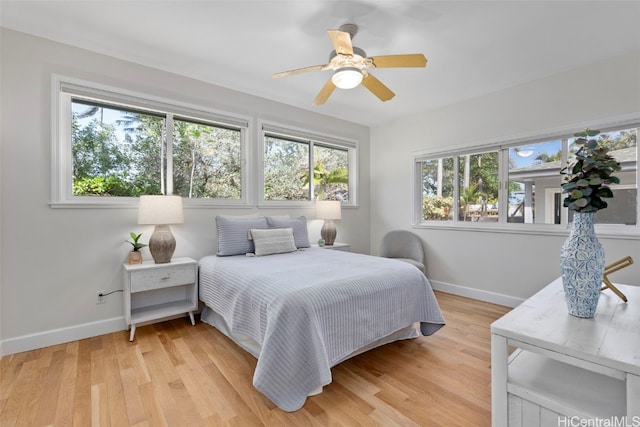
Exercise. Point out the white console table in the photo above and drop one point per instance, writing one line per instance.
(564, 366)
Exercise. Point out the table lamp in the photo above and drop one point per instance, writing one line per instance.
(161, 211)
(328, 210)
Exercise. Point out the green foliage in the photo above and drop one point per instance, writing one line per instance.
(437, 207)
(134, 241)
(104, 186)
(117, 159)
(589, 175)
(545, 157)
(323, 179)
(286, 169)
(207, 161)
(284, 163)
(468, 196)
(483, 172)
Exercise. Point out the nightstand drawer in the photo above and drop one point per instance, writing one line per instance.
(162, 278)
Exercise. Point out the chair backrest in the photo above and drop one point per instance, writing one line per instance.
(402, 244)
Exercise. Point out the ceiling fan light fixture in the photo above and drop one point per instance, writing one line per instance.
(347, 77)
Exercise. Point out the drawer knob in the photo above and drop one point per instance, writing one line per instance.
(165, 278)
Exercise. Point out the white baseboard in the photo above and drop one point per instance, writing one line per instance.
(478, 294)
(107, 326)
(62, 335)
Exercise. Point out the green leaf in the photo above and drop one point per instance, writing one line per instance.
(592, 144)
(581, 202)
(576, 194)
(582, 183)
(604, 192)
(577, 167)
(595, 181)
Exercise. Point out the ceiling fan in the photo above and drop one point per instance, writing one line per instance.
(351, 65)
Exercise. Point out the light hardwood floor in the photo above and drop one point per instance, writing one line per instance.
(175, 374)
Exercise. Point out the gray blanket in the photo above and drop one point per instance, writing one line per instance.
(310, 309)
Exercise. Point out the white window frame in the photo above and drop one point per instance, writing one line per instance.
(312, 138)
(62, 90)
(617, 231)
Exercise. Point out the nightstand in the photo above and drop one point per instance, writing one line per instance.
(155, 291)
(346, 247)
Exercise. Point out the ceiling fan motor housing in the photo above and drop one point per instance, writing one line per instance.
(356, 52)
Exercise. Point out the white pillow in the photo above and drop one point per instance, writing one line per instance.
(273, 241)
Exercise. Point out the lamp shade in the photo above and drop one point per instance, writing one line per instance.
(328, 209)
(347, 77)
(160, 210)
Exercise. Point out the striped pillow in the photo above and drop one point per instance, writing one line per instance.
(273, 241)
(233, 234)
(299, 225)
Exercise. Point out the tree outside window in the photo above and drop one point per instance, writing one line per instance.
(121, 152)
(287, 170)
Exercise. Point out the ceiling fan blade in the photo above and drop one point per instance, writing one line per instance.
(341, 41)
(411, 60)
(324, 93)
(376, 87)
(300, 71)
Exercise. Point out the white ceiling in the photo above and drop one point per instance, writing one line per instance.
(473, 47)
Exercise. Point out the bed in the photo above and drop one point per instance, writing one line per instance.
(304, 311)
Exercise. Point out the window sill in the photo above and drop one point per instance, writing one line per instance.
(608, 231)
(132, 202)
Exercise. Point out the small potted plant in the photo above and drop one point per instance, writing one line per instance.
(135, 257)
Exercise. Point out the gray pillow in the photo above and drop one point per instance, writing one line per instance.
(233, 234)
(273, 241)
(299, 226)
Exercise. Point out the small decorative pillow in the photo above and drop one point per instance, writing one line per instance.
(233, 234)
(299, 226)
(273, 241)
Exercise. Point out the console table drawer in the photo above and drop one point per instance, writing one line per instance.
(162, 278)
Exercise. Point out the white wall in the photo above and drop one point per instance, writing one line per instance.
(55, 260)
(484, 264)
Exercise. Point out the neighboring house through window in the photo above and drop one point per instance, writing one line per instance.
(519, 183)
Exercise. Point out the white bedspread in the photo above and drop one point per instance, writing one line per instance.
(310, 309)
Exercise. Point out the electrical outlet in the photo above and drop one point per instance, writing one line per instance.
(102, 298)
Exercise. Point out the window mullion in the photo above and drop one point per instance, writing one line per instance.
(312, 177)
(564, 159)
(456, 188)
(168, 140)
(503, 185)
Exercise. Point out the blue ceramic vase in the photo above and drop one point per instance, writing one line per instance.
(582, 262)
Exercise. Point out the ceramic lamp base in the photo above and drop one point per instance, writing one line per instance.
(328, 232)
(162, 244)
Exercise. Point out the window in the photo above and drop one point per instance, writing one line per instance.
(478, 187)
(299, 167)
(534, 168)
(111, 146)
(207, 162)
(437, 189)
(519, 182)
